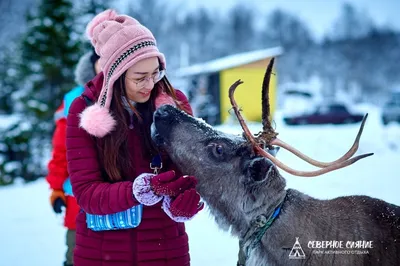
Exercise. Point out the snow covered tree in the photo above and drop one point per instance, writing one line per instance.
(241, 29)
(86, 10)
(351, 24)
(287, 30)
(203, 30)
(49, 54)
(151, 13)
(196, 30)
(12, 22)
(49, 51)
(7, 72)
(156, 16)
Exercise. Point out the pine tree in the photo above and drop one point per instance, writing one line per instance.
(49, 51)
(241, 31)
(87, 9)
(7, 72)
(150, 13)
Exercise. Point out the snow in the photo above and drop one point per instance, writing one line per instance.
(229, 62)
(8, 120)
(33, 235)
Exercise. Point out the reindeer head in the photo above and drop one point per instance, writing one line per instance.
(238, 175)
(235, 182)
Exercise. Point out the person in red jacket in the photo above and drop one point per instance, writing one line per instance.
(57, 177)
(134, 201)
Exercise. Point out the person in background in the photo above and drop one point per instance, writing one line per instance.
(203, 103)
(134, 201)
(57, 177)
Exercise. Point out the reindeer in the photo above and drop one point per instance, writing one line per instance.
(238, 177)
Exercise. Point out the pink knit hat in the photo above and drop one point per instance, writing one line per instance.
(120, 41)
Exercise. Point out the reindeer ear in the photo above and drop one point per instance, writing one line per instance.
(258, 168)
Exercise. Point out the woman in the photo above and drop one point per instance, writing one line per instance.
(130, 215)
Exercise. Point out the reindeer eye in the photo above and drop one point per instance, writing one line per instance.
(219, 150)
(216, 149)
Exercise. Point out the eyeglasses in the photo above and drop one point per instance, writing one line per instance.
(155, 77)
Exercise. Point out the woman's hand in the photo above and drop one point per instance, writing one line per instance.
(184, 207)
(149, 189)
(168, 184)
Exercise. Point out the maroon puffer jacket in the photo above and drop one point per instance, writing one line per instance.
(157, 241)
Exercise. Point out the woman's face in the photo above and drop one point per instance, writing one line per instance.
(139, 79)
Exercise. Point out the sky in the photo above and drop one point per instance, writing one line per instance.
(318, 14)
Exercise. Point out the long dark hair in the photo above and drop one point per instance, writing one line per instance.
(113, 148)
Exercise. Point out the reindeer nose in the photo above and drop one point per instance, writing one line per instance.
(162, 112)
(165, 118)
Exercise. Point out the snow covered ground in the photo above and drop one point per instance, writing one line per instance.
(31, 234)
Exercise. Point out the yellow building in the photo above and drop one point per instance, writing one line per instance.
(221, 73)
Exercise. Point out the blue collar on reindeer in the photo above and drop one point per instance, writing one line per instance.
(261, 224)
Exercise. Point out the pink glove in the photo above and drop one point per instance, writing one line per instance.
(184, 207)
(167, 184)
(149, 189)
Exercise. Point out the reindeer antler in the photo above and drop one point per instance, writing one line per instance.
(246, 130)
(268, 136)
(268, 133)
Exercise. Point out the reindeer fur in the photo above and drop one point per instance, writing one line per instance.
(240, 187)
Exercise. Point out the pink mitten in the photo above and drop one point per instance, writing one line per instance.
(184, 207)
(149, 189)
(167, 184)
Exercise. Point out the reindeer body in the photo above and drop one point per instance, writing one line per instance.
(346, 219)
(240, 186)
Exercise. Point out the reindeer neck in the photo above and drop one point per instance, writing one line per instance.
(299, 211)
(260, 224)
